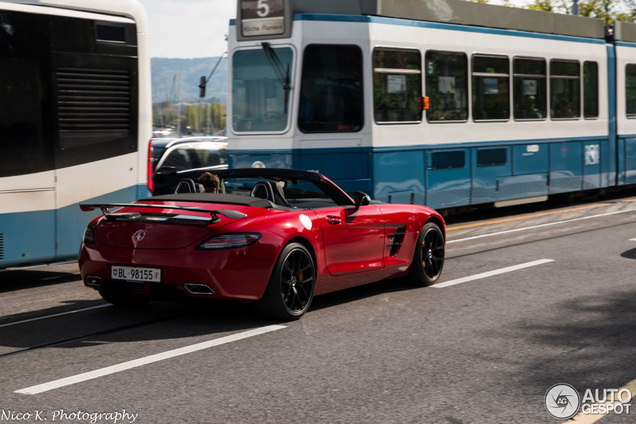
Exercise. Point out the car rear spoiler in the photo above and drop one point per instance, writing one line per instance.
(105, 207)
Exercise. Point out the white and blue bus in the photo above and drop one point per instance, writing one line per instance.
(446, 103)
(75, 119)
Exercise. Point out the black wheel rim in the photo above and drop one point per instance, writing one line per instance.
(297, 281)
(432, 253)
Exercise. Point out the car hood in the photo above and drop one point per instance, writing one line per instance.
(162, 229)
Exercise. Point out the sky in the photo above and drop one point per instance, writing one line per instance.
(188, 28)
(197, 28)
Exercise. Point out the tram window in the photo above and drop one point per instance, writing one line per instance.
(529, 88)
(491, 88)
(448, 160)
(447, 86)
(397, 85)
(630, 90)
(565, 89)
(590, 90)
(260, 97)
(331, 97)
(492, 157)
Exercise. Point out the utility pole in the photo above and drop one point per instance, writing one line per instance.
(575, 7)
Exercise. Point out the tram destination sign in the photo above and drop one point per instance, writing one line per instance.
(262, 17)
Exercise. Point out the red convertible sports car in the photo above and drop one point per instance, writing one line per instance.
(275, 237)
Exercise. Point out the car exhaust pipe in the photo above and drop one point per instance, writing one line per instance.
(199, 289)
(93, 281)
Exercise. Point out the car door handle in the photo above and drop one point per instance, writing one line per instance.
(333, 220)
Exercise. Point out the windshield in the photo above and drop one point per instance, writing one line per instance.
(260, 95)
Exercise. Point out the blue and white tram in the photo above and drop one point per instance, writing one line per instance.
(623, 87)
(446, 103)
(75, 119)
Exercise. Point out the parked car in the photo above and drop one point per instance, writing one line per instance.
(275, 237)
(188, 157)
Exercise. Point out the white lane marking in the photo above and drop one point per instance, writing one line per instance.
(539, 226)
(54, 315)
(634, 239)
(56, 384)
(492, 273)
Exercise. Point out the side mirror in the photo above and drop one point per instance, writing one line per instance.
(361, 198)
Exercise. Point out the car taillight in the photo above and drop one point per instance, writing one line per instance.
(229, 241)
(89, 235)
(149, 174)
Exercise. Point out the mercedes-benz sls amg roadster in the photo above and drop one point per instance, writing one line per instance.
(275, 237)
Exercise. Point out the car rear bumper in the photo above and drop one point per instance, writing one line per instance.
(240, 273)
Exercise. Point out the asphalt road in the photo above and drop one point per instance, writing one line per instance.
(527, 301)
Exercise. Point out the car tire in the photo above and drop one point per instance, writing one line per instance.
(291, 287)
(428, 259)
(121, 299)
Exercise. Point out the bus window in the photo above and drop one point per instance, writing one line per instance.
(397, 85)
(630, 90)
(23, 147)
(590, 90)
(447, 86)
(331, 97)
(260, 96)
(565, 89)
(26, 141)
(491, 88)
(529, 88)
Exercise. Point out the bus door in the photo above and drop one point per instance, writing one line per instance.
(27, 180)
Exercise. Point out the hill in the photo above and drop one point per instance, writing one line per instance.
(178, 79)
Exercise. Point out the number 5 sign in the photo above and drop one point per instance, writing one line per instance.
(262, 17)
(263, 9)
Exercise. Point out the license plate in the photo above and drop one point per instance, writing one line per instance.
(132, 273)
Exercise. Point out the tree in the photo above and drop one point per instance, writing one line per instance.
(607, 10)
(543, 5)
(206, 118)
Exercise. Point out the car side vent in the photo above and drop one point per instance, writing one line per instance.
(1, 246)
(395, 240)
(93, 100)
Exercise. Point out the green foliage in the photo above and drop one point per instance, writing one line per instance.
(543, 5)
(607, 10)
(207, 118)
